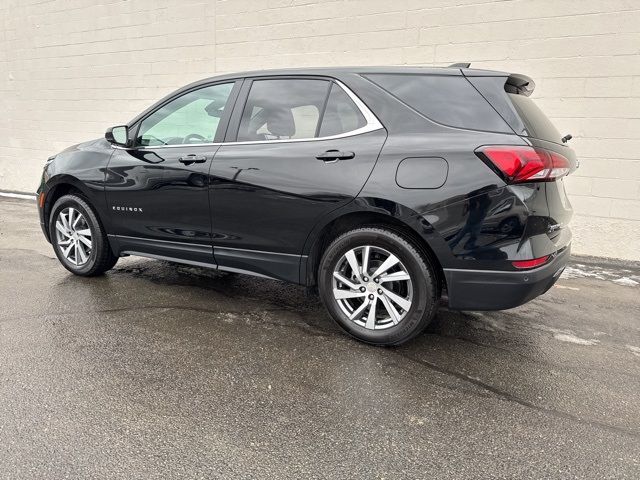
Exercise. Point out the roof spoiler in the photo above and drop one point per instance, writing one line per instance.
(460, 65)
(519, 84)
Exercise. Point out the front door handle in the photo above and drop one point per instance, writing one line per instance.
(192, 158)
(333, 155)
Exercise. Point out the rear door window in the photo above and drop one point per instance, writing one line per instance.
(283, 109)
(341, 115)
(448, 100)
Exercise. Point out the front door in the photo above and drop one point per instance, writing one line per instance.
(304, 147)
(158, 191)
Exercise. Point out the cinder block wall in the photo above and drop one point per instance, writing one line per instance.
(71, 68)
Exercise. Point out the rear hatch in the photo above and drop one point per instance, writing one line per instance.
(542, 166)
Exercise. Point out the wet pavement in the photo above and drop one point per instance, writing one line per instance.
(157, 370)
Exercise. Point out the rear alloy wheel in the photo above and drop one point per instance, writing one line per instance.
(377, 286)
(78, 238)
(372, 287)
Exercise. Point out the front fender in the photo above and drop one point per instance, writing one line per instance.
(81, 168)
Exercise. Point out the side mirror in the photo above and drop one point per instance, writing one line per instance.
(118, 135)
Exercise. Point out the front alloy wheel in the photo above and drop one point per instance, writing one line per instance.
(73, 236)
(78, 238)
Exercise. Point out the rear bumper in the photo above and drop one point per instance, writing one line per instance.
(499, 290)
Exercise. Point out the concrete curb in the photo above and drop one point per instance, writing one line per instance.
(19, 195)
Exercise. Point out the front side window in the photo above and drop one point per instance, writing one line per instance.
(190, 118)
(283, 109)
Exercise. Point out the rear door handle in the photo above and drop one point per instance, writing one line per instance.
(333, 155)
(192, 158)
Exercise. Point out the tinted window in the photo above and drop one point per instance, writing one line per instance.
(449, 100)
(492, 88)
(190, 118)
(283, 109)
(535, 121)
(341, 115)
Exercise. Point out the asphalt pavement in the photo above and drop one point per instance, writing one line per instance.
(158, 371)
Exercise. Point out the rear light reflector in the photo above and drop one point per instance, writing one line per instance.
(520, 164)
(536, 262)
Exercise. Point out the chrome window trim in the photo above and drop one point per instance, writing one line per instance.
(372, 125)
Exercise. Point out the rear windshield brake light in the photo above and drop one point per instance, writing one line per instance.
(519, 164)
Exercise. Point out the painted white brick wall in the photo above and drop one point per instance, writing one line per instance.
(71, 68)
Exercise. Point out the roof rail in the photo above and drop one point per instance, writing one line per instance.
(460, 65)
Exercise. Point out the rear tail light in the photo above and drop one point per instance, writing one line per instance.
(536, 262)
(525, 164)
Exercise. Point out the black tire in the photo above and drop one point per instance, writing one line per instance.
(424, 285)
(100, 258)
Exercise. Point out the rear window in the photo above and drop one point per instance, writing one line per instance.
(536, 123)
(518, 110)
(448, 100)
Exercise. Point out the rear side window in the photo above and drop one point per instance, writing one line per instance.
(296, 109)
(341, 115)
(448, 100)
(283, 109)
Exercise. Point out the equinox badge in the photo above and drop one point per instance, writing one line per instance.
(127, 209)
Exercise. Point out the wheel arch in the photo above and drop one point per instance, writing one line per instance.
(340, 224)
(57, 188)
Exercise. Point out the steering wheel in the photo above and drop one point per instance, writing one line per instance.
(194, 136)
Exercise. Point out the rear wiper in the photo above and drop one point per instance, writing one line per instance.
(566, 138)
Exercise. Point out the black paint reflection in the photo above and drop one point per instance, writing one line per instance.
(475, 209)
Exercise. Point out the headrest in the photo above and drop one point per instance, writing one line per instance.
(280, 122)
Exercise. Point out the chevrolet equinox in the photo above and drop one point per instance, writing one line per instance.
(382, 187)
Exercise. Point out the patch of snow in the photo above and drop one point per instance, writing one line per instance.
(546, 328)
(600, 334)
(229, 317)
(619, 277)
(634, 350)
(570, 338)
(574, 272)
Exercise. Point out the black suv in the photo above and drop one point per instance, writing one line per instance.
(383, 187)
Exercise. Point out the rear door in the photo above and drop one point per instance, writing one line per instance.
(300, 148)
